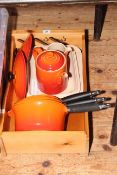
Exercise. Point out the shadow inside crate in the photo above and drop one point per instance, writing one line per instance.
(88, 88)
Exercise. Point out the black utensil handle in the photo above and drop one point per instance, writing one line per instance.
(113, 139)
(20, 40)
(85, 101)
(76, 97)
(81, 96)
(41, 41)
(58, 40)
(88, 107)
(83, 108)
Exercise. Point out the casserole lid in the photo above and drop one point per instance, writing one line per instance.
(27, 46)
(20, 80)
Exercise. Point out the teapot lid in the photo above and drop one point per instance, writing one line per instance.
(51, 60)
(20, 80)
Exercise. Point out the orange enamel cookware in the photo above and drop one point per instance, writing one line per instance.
(44, 112)
(20, 74)
(27, 46)
(39, 112)
(51, 71)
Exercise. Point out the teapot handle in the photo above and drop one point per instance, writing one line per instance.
(61, 78)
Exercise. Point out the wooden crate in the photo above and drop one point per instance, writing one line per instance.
(76, 137)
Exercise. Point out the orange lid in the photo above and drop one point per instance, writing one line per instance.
(27, 46)
(20, 75)
(50, 60)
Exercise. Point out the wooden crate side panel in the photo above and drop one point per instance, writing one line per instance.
(76, 122)
(45, 142)
(79, 121)
(71, 37)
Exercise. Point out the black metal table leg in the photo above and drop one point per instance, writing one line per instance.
(100, 13)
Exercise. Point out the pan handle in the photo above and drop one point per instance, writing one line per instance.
(88, 107)
(85, 101)
(81, 96)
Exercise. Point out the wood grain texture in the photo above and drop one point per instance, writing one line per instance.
(103, 75)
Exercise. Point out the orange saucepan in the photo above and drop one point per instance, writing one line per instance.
(45, 112)
(41, 112)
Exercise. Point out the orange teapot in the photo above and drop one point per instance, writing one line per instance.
(51, 71)
(51, 67)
